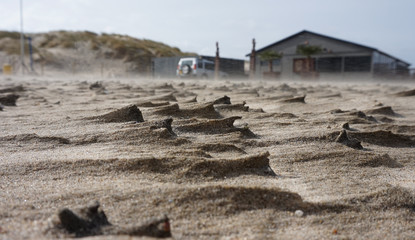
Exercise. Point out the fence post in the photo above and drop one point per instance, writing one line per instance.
(217, 62)
(252, 61)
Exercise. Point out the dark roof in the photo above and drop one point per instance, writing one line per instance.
(328, 37)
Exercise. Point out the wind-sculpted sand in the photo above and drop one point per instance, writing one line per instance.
(193, 159)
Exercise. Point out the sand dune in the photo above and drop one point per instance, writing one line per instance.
(219, 159)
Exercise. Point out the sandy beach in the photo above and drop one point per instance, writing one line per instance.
(228, 159)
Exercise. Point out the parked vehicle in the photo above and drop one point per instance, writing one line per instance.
(196, 67)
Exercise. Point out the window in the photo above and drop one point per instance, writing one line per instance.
(275, 62)
(187, 62)
(357, 64)
(329, 64)
(301, 65)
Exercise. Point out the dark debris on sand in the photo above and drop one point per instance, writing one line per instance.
(96, 85)
(166, 123)
(92, 221)
(9, 99)
(344, 139)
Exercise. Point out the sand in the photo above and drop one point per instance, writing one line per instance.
(222, 159)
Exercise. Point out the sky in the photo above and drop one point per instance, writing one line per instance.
(196, 26)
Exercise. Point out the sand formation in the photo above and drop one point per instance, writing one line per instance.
(91, 220)
(233, 159)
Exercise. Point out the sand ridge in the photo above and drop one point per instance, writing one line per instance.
(222, 159)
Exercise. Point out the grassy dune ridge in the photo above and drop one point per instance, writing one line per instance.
(62, 49)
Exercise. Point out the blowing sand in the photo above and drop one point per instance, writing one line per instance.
(271, 160)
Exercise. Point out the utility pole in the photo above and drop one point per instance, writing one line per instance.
(217, 62)
(21, 37)
(252, 61)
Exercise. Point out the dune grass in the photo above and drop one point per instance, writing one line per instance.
(138, 52)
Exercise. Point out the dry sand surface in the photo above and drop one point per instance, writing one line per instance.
(264, 163)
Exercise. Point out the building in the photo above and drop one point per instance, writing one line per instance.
(337, 59)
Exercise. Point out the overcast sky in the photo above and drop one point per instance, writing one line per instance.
(195, 26)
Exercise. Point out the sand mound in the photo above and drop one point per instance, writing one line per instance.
(91, 220)
(390, 197)
(168, 97)
(211, 125)
(329, 137)
(219, 168)
(145, 135)
(221, 147)
(333, 95)
(408, 93)
(91, 167)
(223, 100)
(285, 88)
(346, 158)
(275, 115)
(33, 139)
(278, 97)
(173, 167)
(19, 88)
(167, 110)
(385, 138)
(194, 153)
(219, 200)
(353, 117)
(382, 110)
(386, 120)
(168, 86)
(392, 127)
(152, 104)
(336, 111)
(190, 100)
(232, 107)
(339, 157)
(205, 110)
(294, 100)
(214, 126)
(126, 114)
(380, 160)
(360, 114)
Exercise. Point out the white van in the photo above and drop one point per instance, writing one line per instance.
(194, 67)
